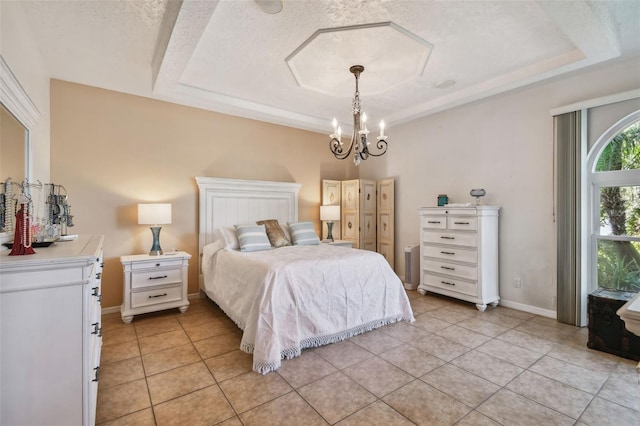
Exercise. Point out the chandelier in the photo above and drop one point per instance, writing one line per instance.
(359, 140)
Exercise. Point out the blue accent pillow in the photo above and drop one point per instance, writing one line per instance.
(252, 238)
(303, 234)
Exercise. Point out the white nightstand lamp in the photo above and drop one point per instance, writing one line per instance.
(154, 214)
(329, 214)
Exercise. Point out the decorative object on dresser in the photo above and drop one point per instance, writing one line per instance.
(359, 140)
(154, 214)
(51, 334)
(153, 283)
(329, 214)
(478, 193)
(459, 253)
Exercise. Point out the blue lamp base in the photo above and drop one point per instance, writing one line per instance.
(155, 248)
(329, 229)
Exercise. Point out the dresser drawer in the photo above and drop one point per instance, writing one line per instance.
(468, 272)
(148, 278)
(461, 223)
(156, 296)
(450, 284)
(458, 239)
(157, 263)
(434, 222)
(447, 253)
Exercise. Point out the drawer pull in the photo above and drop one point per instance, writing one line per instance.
(433, 221)
(444, 237)
(102, 264)
(461, 223)
(447, 283)
(448, 268)
(157, 264)
(95, 291)
(96, 330)
(158, 278)
(98, 275)
(158, 295)
(447, 252)
(97, 370)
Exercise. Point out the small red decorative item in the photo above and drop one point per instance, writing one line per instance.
(22, 237)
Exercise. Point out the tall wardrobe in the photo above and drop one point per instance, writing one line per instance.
(366, 211)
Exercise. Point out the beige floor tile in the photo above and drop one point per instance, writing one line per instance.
(148, 326)
(405, 332)
(489, 368)
(440, 347)
(120, 400)
(207, 406)
(579, 338)
(461, 385)
(193, 318)
(412, 360)
(118, 334)
(158, 362)
(551, 393)
(378, 376)
(585, 357)
(605, 413)
(496, 317)
(305, 369)
(513, 313)
(229, 365)
(336, 396)
(179, 381)
(449, 315)
(623, 390)
(510, 353)
(425, 405)
(509, 408)
(218, 345)
(112, 321)
(139, 418)
(158, 342)
(210, 328)
(572, 375)
(376, 341)
(343, 354)
(119, 372)
(377, 413)
(550, 333)
(483, 327)
(474, 418)
(463, 336)
(233, 421)
(429, 323)
(553, 323)
(119, 351)
(249, 390)
(289, 409)
(527, 341)
(419, 306)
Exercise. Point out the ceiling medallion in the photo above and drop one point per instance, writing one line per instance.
(359, 140)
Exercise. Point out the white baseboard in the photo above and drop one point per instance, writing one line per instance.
(528, 308)
(110, 310)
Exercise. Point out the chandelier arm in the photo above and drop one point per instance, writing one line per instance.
(337, 150)
(382, 145)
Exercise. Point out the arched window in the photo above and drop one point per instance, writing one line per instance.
(614, 178)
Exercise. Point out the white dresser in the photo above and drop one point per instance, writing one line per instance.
(459, 253)
(50, 334)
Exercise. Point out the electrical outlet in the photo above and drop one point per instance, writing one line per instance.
(517, 282)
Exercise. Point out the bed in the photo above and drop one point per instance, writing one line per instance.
(289, 298)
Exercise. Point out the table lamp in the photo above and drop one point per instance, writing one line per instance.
(329, 214)
(154, 214)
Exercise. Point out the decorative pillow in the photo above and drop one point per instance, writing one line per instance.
(275, 233)
(303, 234)
(252, 238)
(228, 235)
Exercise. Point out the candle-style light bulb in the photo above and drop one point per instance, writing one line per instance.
(382, 128)
(335, 125)
(339, 133)
(364, 117)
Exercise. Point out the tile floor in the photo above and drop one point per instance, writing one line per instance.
(454, 365)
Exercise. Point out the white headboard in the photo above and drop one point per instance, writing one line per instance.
(228, 202)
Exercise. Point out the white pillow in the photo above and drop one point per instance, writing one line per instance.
(228, 235)
(252, 238)
(303, 234)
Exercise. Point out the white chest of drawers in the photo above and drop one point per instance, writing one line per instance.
(459, 253)
(154, 283)
(50, 334)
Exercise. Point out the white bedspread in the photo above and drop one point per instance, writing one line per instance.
(292, 298)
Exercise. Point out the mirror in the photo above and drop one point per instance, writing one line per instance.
(18, 116)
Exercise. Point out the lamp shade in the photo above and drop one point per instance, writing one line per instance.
(329, 212)
(154, 214)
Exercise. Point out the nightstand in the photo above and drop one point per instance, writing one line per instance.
(341, 243)
(154, 283)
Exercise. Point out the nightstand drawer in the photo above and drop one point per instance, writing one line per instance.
(156, 277)
(157, 262)
(156, 296)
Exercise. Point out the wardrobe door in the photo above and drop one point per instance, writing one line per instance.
(331, 196)
(350, 211)
(385, 229)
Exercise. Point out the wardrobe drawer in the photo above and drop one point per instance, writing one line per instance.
(450, 284)
(155, 277)
(156, 296)
(462, 223)
(447, 253)
(458, 239)
(468, 272)
(434, 222)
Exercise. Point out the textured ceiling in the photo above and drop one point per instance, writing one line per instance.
(231, 56)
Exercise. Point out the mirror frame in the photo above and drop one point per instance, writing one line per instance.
(16, 100)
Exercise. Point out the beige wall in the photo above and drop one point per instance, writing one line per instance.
(112, 151)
